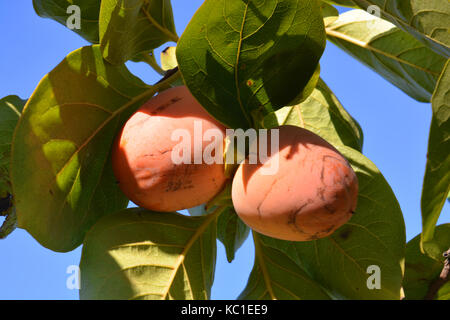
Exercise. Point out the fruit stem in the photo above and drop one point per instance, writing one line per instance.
(443, 278)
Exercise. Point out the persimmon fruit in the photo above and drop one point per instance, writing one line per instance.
(142, 160)
(313, 192)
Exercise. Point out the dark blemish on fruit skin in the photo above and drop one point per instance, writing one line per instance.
(329, 229)
(293, 217)
(180, 180)
(321, 234)
(321, 193)
(330, 208)
(322, 175)
(165, 106)
(51, 192)
(258, 209)
(153, 155)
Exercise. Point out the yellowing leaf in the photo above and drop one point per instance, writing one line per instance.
(427, 20)
(393, 53)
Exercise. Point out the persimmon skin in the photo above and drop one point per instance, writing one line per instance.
(142, 160)
(313, 193)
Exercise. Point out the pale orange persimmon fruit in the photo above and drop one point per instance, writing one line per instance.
(142, 155)
(313, 192)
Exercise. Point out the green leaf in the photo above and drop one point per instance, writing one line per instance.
(427, 20)
(61, 170)
(139, 254)
(329, 13)
(131, 27)
(57, 10)
(436, 184)
(375, 235)
(421, 270)
(231, 231)
(344, 3)
(275, 276)
(394, 54)
(308, 89)
(322, 114)
(242, 59)
(10, 110)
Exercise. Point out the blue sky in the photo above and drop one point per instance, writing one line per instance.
(395, 138)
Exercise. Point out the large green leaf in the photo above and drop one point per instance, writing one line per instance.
(231, 231)
(421, 270)
(275, 276)
(139, 254)
(322, 114)
(374, 236)
(388, 50)
(10, 110)
(61, 172)
(241, 59)
(436, 185)
(427, 20)
(131, 27)
(57, 10)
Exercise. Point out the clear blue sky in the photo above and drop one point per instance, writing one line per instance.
(395, 130)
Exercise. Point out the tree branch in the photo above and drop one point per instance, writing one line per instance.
(443, 278)
(5, 204)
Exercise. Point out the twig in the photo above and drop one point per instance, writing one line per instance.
(168, 74)
(151, 61)
(9, 225)
(443, 278)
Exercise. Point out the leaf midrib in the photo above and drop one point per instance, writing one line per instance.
(180, 261)
(366, 45)
(236, 66)
(400, 21)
